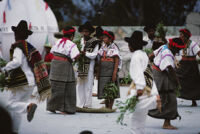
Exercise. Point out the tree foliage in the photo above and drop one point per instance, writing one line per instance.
(122, 12)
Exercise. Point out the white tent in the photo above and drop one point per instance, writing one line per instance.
(39, 16)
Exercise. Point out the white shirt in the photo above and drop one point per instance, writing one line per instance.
(138, 65)
(67, 48)
(111, 51)
(192, 50)
(163, 58)
(19, 60)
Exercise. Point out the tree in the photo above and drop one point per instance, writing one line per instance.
(122, 12)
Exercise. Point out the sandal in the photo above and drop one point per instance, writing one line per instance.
(31, 111)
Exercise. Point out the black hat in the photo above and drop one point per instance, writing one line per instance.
(148, 27)
(87, 26)
(99, 31)
(22, 27)
(136, 39)
(58, 35)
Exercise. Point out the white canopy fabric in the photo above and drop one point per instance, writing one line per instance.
(39, 17)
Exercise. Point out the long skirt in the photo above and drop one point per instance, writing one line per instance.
(63, 87)
(189, 77)
(63, 97)
(166, 88)
(105, 76)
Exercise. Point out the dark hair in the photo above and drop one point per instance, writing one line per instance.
(135, 47)
(68, 35)
(186, 33)
(21, 36)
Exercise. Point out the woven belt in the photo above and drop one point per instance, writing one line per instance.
(156, 68)
(107, 59)
(60, 58)
(188, 58)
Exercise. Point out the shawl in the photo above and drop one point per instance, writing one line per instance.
(37, 66)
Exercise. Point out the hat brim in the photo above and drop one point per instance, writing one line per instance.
(28, 32)
(129, 40)
(91, 29)
(58, 35)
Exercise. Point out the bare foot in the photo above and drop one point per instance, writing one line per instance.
(94, 94)
(169, 127)
(63, 113)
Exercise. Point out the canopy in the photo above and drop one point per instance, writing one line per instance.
(39, 17)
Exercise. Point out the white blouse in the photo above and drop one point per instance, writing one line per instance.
(163, 58)
(111, 51)
(67, 48)
(192, 50)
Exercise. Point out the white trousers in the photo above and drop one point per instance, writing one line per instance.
(17, 104)
(139, 115)
(84, 88)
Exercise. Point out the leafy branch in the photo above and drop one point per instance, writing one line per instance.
(129, 106)
(110, 91)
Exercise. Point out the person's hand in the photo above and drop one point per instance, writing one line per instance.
(139, 92)
(159, 103)
(83, 52)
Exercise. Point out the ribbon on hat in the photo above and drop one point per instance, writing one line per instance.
(106, 33)
(69, 31)
(186, 32)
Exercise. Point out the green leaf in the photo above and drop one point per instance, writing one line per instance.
(127, 107)
(110, 91)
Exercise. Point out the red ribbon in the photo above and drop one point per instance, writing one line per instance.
(30, 26)
(63, 40)
(46, 6)
(69, 31)
(174, 44)
(4, 17)
(186, 32)
(106, 33)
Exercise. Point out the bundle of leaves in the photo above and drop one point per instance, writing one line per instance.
(126, 108)
(148, 51)
(2, 75)
(160, 31)
(126, 80)
(2, 81)
(2, 62)
(110, 91)
(77, 41)
(81, 59)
